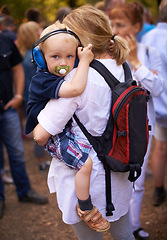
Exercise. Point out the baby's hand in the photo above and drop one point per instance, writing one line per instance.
(85, 54)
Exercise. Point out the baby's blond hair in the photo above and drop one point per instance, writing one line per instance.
(55, 26)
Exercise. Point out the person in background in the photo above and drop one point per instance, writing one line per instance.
(110, 4)
(61, 13)
(157, 38)
(8, 27)
(145, 63)
(5, 173)
(34, 14)
(4, 11)
(100, 5)
(11, 91)
(28, 33)
(159, 2)
(92, 107)
(147, 24)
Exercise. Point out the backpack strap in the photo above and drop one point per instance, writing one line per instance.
(127, 71)
(108, 76)
(93, 141)
(134, 172)
(109, 205)
(96, 145)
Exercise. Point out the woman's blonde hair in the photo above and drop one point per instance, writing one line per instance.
(55, 26)
(92, 26)
(27, 35)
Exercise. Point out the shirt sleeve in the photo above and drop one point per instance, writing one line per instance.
(153, 82)
(57, 113)
(45, 86)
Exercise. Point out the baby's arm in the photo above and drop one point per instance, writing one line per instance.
(78, 83)
(41, 136)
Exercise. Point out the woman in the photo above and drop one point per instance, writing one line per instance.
(92, 108)
(28, 34)
(127, 21)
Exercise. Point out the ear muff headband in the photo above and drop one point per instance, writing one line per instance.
(37, 54)
(54, 33)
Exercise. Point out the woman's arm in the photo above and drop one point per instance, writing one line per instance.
(41, 136)
(53, 118)
(78, 83)
(150, 76)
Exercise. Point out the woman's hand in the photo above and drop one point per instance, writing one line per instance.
(14, 102)
(132, 44)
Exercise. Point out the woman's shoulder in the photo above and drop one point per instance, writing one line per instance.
(111, 65)
(95, 77)
(147, 49)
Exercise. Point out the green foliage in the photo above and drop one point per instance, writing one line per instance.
(48, 8)
(151, 5)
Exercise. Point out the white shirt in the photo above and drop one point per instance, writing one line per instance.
(92, 108)
(154, 83)
(157, 39)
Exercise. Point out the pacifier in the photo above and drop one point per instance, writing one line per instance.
(62, 70)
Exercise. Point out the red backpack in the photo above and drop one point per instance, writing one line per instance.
(123, 145)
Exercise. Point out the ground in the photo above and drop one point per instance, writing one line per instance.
(25, 221)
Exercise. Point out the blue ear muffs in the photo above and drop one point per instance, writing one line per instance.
(38, 55)
(76, 61)
(39, 58)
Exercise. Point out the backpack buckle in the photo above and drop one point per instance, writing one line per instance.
(124, 134)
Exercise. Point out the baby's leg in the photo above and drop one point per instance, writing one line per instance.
(85, 209)
(82, 180)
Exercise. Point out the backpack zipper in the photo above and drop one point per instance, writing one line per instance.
(123, 100)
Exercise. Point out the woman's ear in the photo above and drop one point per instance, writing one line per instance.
(137, 27)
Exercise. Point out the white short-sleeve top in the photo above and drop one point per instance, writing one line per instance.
(92, 108)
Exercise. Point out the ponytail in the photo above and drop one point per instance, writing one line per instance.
(92, 26)
(120, 51)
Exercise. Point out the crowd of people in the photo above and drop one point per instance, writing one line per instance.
(111, 32)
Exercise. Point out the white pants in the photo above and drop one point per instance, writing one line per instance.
(138, 192)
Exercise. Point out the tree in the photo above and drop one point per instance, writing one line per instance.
(48, 8)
